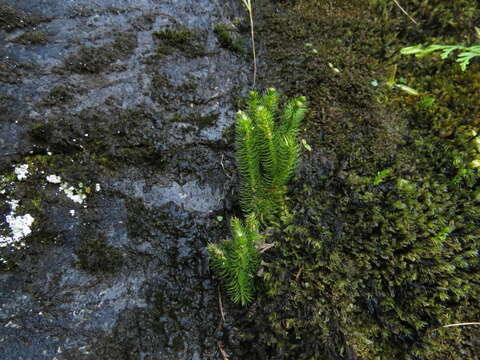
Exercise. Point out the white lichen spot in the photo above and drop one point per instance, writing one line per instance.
(73, 194)
(21, 171)
(72, 212)
(97, 187)
(13, 205)
(20, 227)
(54, 179)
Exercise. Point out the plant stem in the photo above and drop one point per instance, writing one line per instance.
(253, 48)
(248, 6)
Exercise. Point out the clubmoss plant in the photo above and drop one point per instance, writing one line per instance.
(237, 260)
(267, 151)
(267, 156)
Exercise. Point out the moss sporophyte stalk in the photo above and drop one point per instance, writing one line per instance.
(267, 154)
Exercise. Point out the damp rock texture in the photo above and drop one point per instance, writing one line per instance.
(121, 111)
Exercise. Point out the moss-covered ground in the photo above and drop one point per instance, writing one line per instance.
(380, 248)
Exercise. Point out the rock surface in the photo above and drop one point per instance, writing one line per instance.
(130, 104)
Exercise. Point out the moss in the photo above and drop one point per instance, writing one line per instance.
(227, 39)
(160, 81)
(205, 121)
(175, 37)
(9, 73)
(7, 108)
(178, 344)
(187, 87)
(125, 43)
(59, 95)
(12, 18)
(179, 39)
(166, 93)
(95, 255)
(32, 38)
(368, 267)
(131, 145)
(90, 59)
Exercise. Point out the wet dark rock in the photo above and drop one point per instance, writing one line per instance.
(131, 105)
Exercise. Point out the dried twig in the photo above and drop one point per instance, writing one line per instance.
(248, 6)
(222, 351)
(461, 324)
(223, 167)
(403, 10)
(222, 320)
(265, 247)
(222, 314)
(298, 274)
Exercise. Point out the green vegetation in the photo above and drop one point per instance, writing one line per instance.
(226, 37)
(267, 156)
(236, 261)
(12, 18)
(267, 152)
(60, 95)
(179, 39)
(380, 249)
(96, 255)
(465, 55)
(93, 60)
(32, 38)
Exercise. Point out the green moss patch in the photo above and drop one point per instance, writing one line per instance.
(91, 133)
(12, 19)
(228, 38)
(9, 73)
(95, 255)
(93, 60)
(179, 39)
(381, 245)
(60, 94)
(32, 38)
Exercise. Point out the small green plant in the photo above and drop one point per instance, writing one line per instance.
(267, 151)
(237, 260)
(464, 57)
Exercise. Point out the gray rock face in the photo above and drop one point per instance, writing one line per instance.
(122, 111)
